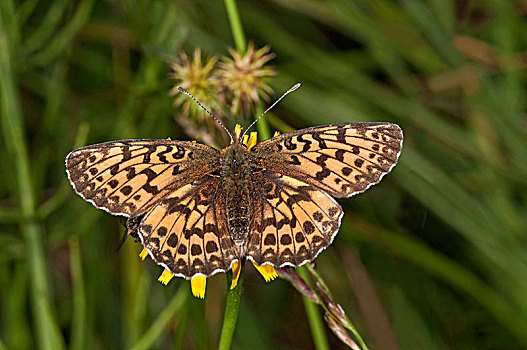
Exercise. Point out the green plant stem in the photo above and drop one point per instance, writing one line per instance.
(236, 26)
(315, 321)
(232, 306)
(48, 334)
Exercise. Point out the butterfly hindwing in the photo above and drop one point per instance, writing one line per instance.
(293, 221)
(128, 177)
(342, 159)
(186, 232)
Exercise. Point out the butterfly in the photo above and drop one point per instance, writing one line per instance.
(197, 210)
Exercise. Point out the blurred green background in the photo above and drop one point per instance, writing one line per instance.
(435, 257)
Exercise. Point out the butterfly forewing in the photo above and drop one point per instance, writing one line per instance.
(128, 177)
(342, 159)
(293, 220)
(186, 232)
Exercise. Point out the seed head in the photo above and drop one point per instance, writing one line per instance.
(244, 78)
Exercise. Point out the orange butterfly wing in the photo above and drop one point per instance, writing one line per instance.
(187, 233)
(341, 159)
(128, 177)
(293, 221)
(295, 217)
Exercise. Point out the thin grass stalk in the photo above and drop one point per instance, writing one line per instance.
(63, 37)
(25, 9)
(64, 190)
(135, 294)
(199, 325)
(150, 337)
(17, 331)
(9, 22)
(313, 316)
(178, 338)
(78, 322)
(232, 306)
(48, 333)
(47, 28)
(236, 26)
(410, 249)
(346, 322)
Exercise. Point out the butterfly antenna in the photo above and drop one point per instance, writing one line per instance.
(296, 86)
(206, 110)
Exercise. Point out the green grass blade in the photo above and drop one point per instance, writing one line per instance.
(47, 27)
(313, 316)
(62, 38)
(157, 328)
(79, 314)
(236, 26)
(48, 333)
(409, 248)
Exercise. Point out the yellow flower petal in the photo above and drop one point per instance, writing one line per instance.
(169, 139)
(236, 268)
(198, 285)
(267, 271)
(237, 131)
(276, 133)
(165, 277)
(143, 254)
(245, 139)
(252, 140)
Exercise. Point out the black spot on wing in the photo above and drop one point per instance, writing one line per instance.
(321, 142)
(126, 153)
(162, 154)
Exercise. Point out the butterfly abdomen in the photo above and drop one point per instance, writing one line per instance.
(236, 180)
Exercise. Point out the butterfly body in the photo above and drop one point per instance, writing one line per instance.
(236, 187)
(197, 210)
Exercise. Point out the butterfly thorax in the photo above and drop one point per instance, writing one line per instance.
(236, 173)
